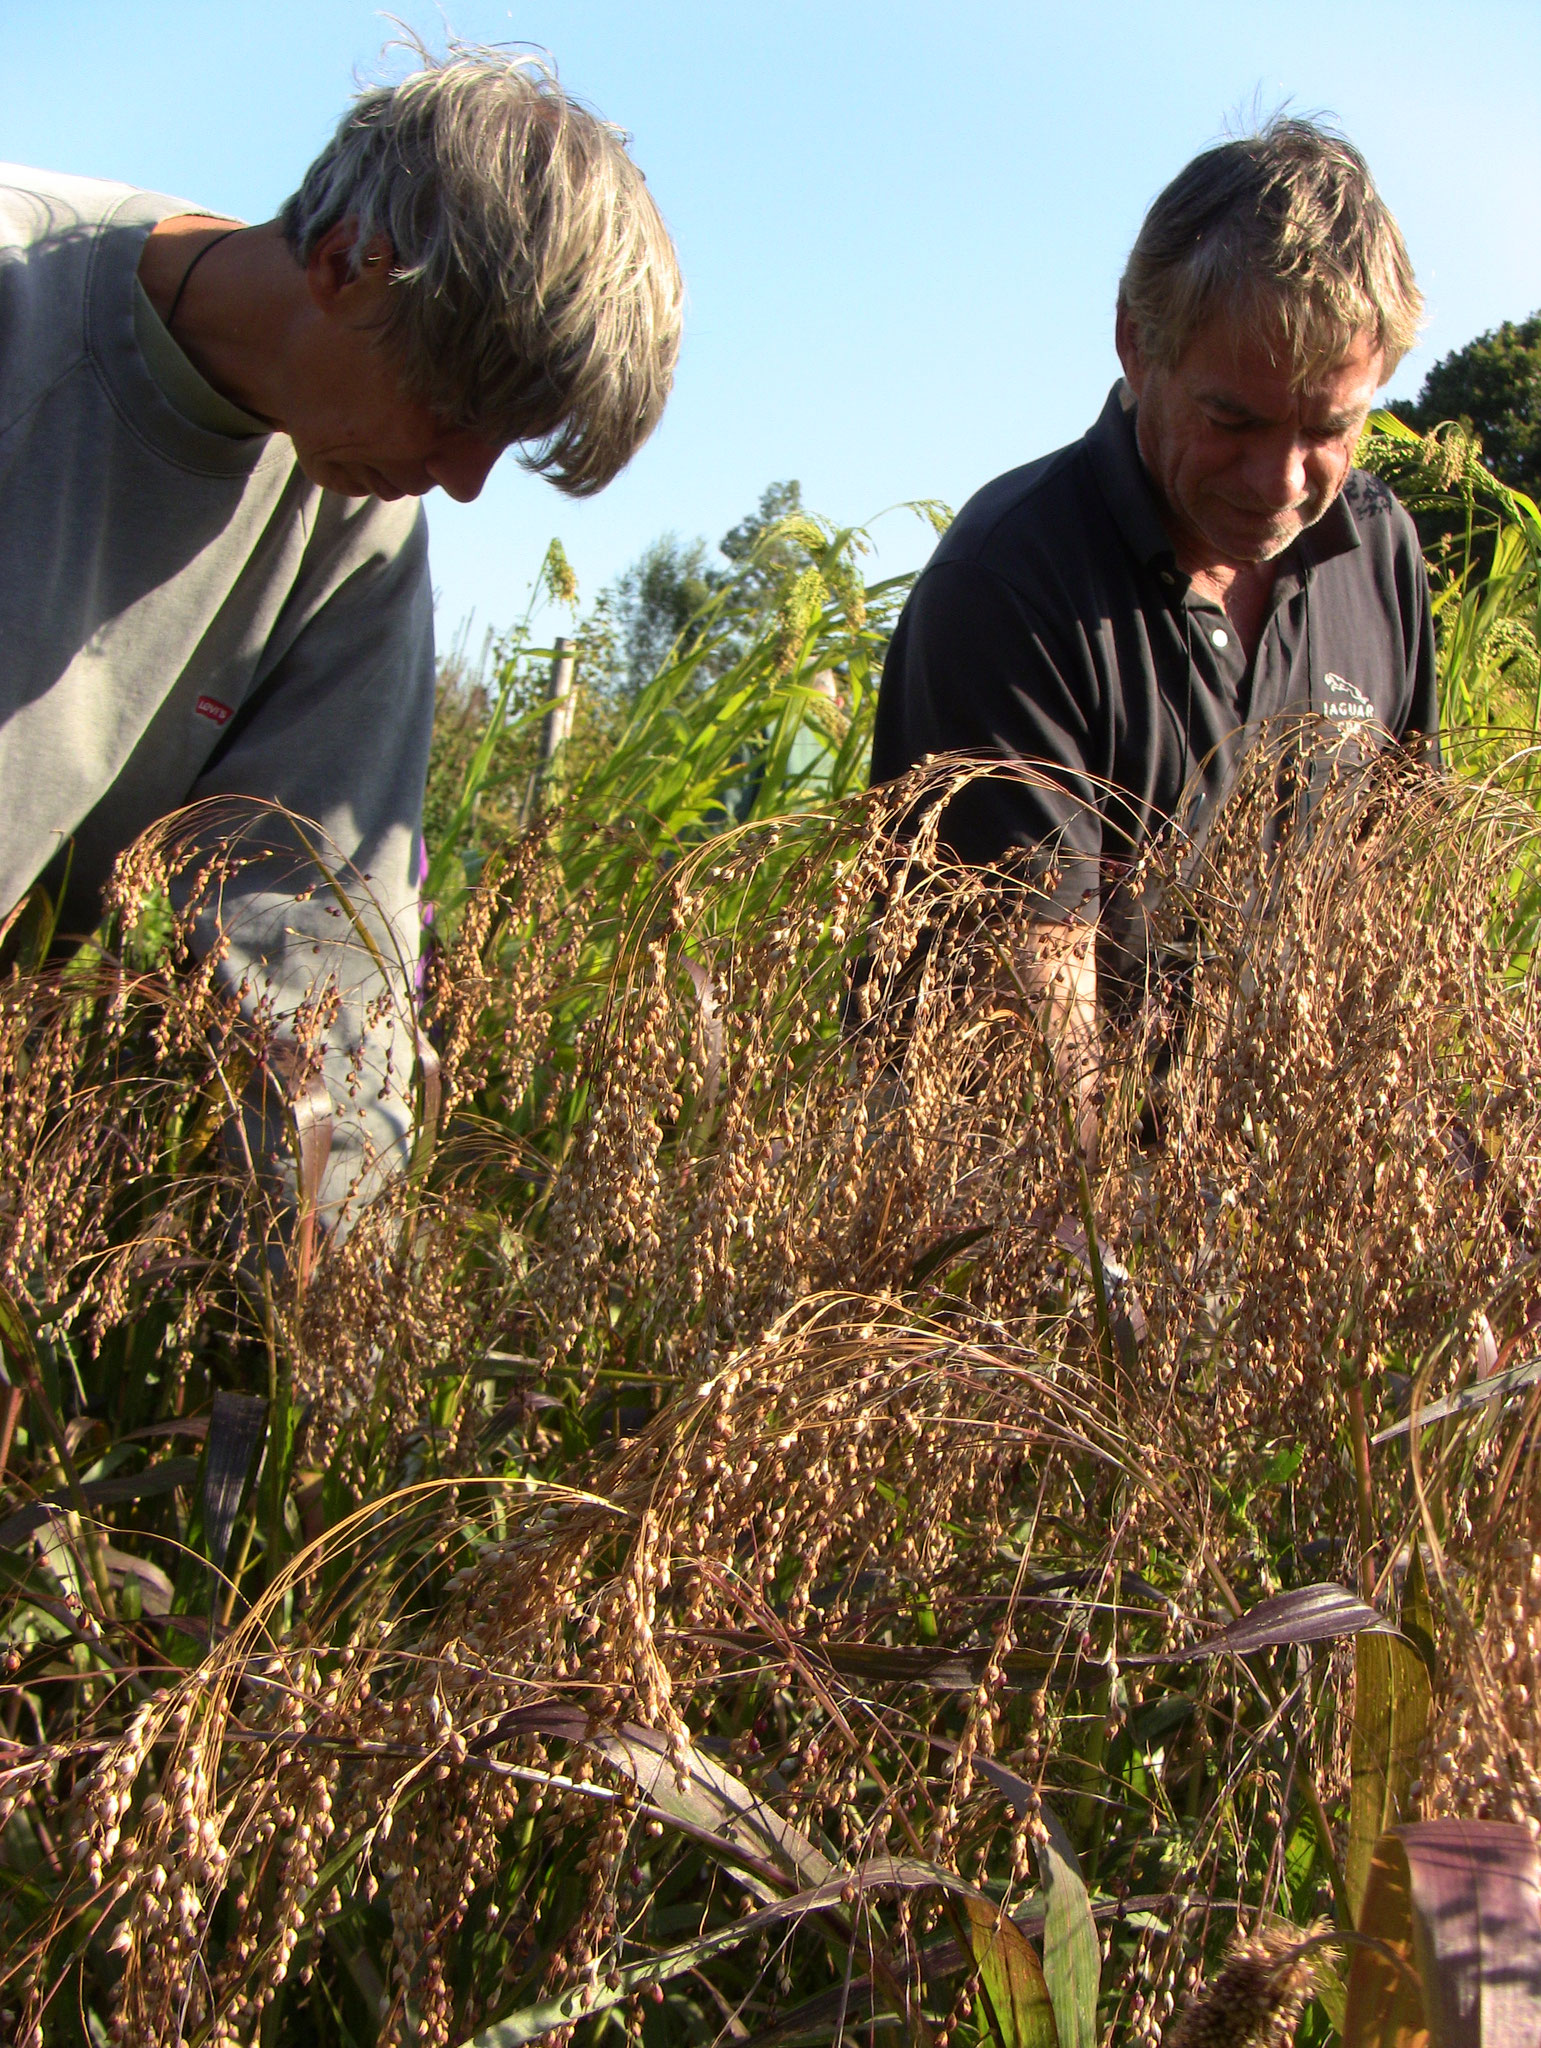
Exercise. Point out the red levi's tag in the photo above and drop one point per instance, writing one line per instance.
(211, 709)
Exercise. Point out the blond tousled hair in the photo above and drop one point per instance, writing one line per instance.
(1285, 232)
(535, 293)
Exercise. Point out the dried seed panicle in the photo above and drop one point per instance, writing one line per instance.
(744, 1345)
(1258, 1997)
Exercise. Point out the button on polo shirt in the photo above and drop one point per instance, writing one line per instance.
(1053, 627)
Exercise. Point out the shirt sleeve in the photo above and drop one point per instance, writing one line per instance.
(336, 733)
(973, 670)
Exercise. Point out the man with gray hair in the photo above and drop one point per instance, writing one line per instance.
(213, 572)
(1126, 613)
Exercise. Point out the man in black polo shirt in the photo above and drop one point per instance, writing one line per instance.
(1125, 613)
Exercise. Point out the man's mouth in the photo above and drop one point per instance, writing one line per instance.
(1269, 515)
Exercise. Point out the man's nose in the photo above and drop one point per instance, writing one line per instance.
(1279, 473)
(461, 464)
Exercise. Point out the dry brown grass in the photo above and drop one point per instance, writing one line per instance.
(908, 1483)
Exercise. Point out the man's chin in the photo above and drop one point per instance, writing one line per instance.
(1248, 543)
(328, 477)
(351, 480)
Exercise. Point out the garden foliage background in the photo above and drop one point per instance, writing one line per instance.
(753, 1538)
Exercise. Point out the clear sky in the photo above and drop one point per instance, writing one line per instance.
(901, 223)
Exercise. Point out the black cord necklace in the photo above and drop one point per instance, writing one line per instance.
(223, 236)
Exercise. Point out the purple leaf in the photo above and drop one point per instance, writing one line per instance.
(1308, 1614)
(1460, 1902)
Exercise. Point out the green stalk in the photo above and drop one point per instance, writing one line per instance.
(16, 1339)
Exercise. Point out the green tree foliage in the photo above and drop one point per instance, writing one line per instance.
(1493, 387)
(650, 605)
(765, 569)
(658, 603)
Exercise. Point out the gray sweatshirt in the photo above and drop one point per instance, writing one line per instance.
(183, 616)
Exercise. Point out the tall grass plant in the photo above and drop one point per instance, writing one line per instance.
(755, 1539)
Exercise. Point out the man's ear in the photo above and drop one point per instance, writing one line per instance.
(1126, 339)
(334, 286)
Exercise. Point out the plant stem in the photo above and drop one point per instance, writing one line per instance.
(1359, 1433)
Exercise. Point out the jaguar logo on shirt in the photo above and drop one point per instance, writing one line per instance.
(215, 712)
(1345, 701)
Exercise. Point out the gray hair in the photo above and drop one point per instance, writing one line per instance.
(535, 292)
(1285, 232)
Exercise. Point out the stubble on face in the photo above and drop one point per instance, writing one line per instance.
(1243, 456)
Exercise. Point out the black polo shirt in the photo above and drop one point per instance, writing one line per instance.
(1053, 626)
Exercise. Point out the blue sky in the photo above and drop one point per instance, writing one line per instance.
(901, 224)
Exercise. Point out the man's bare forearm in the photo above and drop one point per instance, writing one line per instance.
(1055, 968)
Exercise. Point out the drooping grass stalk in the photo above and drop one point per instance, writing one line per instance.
(721, 1427)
